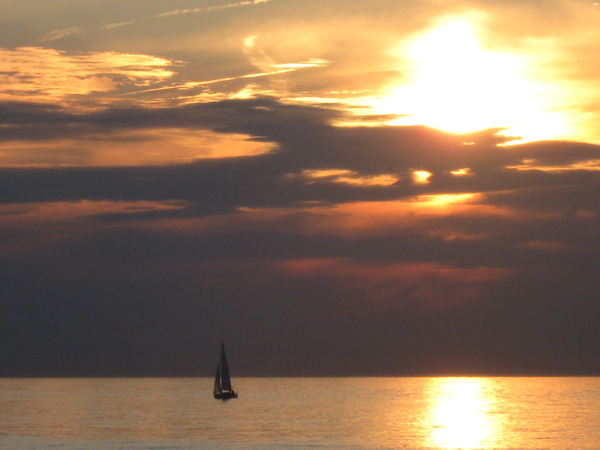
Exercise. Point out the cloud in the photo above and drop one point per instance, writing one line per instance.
(307, 140)
(36, 74)
(178, 12)
(57, 34)
(272, 69)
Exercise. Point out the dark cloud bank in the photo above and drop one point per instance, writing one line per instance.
(115, 294)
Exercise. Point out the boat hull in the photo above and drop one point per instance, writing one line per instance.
(225, 395)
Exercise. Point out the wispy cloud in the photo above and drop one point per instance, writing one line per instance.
(278, 69)
(210, 8)
(259, 59)
(61, 33)
(178, 12)
(116, 25)
(58, 34)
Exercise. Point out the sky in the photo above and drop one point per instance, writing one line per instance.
(332, 188)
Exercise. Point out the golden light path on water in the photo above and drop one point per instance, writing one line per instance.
(457, 86)
(459, 416)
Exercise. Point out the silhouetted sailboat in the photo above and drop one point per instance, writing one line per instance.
(223, 389)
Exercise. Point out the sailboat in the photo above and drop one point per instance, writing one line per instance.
(223, 389)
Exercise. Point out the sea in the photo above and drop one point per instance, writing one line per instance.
(422, 413)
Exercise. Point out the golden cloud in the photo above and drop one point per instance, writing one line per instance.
(37, 74)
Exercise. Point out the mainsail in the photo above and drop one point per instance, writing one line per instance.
(223, 389)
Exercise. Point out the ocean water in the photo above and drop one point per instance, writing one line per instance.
(301, 413)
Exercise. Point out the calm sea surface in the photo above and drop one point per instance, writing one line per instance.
(301, 413)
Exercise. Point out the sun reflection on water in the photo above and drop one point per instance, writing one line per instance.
(460, 414)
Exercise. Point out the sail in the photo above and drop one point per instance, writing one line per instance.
(223, 389)
(225, 378)
(217, 389)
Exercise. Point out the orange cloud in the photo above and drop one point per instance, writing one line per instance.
(428, 285)
(347, 177)
(131, 148)
(387, 218)
(37, 74)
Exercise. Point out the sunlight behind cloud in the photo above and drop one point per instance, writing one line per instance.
(348, 177)
(460, 87)
(421, 176)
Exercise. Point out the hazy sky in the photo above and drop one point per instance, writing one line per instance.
(332, 187)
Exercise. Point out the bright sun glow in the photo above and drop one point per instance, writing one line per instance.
(460, 87)
(460, 414)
